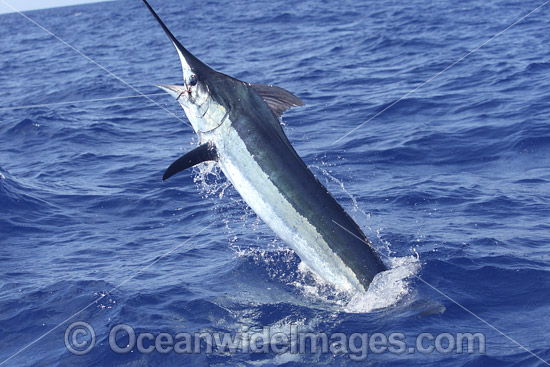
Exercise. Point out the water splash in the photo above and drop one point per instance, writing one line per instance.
(340, 183)
(302, 286)
(387, 288)
(209, 180)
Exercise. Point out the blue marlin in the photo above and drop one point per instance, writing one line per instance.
(238, 127)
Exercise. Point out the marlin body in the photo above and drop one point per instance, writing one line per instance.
(238, 126)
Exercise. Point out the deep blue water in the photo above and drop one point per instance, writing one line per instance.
(452, 184)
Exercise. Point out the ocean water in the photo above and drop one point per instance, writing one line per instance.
(451, 184)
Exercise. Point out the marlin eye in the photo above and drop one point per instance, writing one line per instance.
(193, 80)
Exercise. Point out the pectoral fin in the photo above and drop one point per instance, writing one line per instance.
(202, 153)
(277, 98)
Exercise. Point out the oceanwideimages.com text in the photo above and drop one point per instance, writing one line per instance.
(80, 339)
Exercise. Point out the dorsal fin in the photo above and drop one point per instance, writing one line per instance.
(202, 153)
(277, 98)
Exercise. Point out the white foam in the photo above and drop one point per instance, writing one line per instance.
(387, 288)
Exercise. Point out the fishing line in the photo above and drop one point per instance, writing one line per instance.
(455, 302)
(439, 73)
(94, 62)
(81, 101)
(103, 295)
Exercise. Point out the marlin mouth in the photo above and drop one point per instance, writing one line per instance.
(177, 91)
